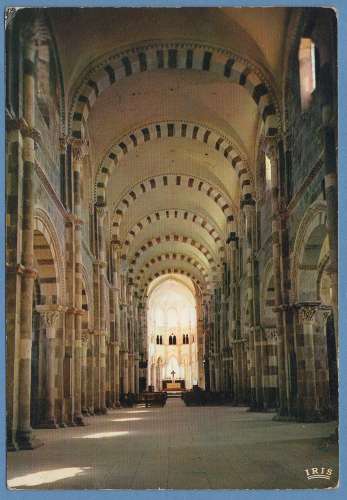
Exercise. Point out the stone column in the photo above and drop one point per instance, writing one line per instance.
(124, 348)
(306, 361)
(100, 358)
(28, 273)
(272, 152)
(115, 249)
(50, 315)
(79, 151)
(329, 121)
(90, 373)
(248, 206)
(137, 373)
(84, 395)
(321, 360)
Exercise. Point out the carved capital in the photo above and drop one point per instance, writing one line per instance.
(34, 31)
(271, 334)
(325, 313)
(85, 338)
(79, 149)
(28, 131)
(307, 311)
(50, 315)
(101, 210)
(116, 245)
(63, 142)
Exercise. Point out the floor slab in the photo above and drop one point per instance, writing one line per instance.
(177, 447)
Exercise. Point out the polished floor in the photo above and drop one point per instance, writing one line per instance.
(176, 447)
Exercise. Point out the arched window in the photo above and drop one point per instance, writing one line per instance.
(174, 340)
(184, 339)
(187, 339)
(307, 70)
(267, 173)
(157, 339)
(170, 340)
(161, 340)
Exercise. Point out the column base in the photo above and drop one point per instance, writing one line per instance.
(11, 444)
(78, 419)
(26, 441)
(48, 425)
(63, 425)
(100, 411)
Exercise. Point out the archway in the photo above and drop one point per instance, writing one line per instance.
(315, 319)
(46, 396)
(172, 318)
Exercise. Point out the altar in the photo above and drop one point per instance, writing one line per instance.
(177, 385)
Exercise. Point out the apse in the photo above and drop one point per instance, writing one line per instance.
(172, 335)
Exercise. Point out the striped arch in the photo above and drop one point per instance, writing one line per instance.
(48, 260)
(169, 257)
(174, 238)
(173, 213)
(162, 130)
(189, 56)
(200, 283)
(183, 182)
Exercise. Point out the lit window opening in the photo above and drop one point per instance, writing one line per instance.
(267, 172)
(307, 69)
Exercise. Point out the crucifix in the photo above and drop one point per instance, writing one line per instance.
(173, 375)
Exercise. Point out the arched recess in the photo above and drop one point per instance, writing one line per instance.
(178, 181)
(87, 363)
(47, 297)
(49, 260)
(182, 55)
(170, 214)
(310, 250)
(312, 285)
(173, 129)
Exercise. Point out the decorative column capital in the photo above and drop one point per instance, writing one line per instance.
(101, 210)
(85, 338)
(307, 311)
(79, 149)
(271, 334)
(25, 129)
(116, 245)
(325, 312)
(247, 202)
(63, 142)
(50, 315)
(33, 31)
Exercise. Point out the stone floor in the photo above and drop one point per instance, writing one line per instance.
(177, 447)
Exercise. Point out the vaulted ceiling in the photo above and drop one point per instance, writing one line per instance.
(172, 102)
